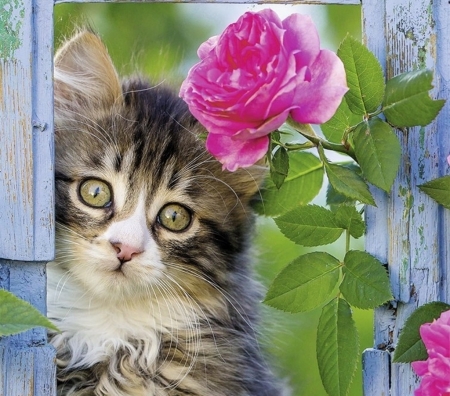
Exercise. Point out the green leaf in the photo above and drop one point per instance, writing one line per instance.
(279, 166)
(335, 199)
(305, 175)
(366, 282)
(378, 152)
(17, 315)
(364, 77)
(349, 218)
(347, 182)
(407, 102)
(310, 225)
(439, 190)
(343, 119)
(337, 347)
(306, 283)
(410, 347)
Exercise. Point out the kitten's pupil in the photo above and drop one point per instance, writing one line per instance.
(175, 217)
(95, 193)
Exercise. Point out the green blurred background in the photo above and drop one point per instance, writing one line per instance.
(161, 40)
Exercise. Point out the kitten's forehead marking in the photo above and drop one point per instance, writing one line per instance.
(120, 180)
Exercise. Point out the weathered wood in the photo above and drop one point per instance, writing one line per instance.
(376, 365)
(27, 362)
(26, 126)
(415, 233)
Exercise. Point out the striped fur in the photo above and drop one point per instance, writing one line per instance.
(179, 317)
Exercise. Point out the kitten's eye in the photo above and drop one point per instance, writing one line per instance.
(95, 193)
(174, 217)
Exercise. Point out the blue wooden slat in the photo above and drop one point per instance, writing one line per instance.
(26, 151)
(26, 186)
(442, 81)
(410, 35)
(376, 365)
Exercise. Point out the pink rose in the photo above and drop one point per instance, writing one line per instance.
(256, 74)
(435, 371)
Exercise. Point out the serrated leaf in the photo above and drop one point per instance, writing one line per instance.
(334, 198)
(17, 315)
(439, 190)
(407, 101)
(410, 347)
(279, 166)
(364, 77)
(378, 152)
(337, 347)
(309, 225)
(349, 218)
(348, 183)
(303, 183)
(306, 283)
(366, 282)
(335, 127)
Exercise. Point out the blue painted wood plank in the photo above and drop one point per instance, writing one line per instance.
(418, 255)
(26, 118)
(27, 362)
(376, 364)
(442, 81)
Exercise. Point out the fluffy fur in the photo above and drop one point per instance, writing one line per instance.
(178, 316)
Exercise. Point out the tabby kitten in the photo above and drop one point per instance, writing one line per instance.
(151, 286)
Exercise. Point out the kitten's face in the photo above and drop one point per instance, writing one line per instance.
(141, 208)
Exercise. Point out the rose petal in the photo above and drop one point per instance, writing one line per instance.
(420, 367)
(234, 154)
(302, 37)
(269, 126)
(208, 46)
(439, 367)
(271, 16)
(436, 337)
(318, 100)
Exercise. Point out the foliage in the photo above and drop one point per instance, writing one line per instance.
(362, 129)
(439, 190)
(17, 315)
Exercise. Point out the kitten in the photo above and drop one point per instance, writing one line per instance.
(151, 286)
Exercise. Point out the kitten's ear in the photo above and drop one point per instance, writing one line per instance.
(84, 75)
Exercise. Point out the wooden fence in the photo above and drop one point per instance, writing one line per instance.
(407, 229)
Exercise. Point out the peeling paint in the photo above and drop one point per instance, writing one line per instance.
(12, 14)
(422, 138)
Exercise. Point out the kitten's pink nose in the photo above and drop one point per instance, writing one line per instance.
(125, 252)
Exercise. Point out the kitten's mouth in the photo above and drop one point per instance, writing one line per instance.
(119, 268)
